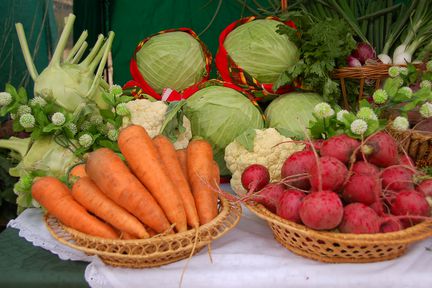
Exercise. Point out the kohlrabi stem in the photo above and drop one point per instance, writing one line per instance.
(26, 52)
(102, 63)
(96, 60)
(77, 46)
(93, 52)
(64, 37)
(80, 53)
(104, 84)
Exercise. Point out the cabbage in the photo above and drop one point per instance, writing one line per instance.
(171, 60)
(219, 114)
(292, 112)
(259, 50)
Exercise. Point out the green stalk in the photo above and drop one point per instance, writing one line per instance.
(26, 52)
(63, 40)
(77, 46)
(80, 53)
(380, 12)
(94, 51)
(388, 20)
(96, 60)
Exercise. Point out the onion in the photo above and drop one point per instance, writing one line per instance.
(364, 52)
(353, 62)
(385, 59)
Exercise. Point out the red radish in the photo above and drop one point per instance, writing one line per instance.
(410, 202)
(366, 168)
(425, 187)
(298, 163)
(255, 177)
(397, 178)
(289, 204)
(340, 147)
(378, 207)
(381, 150)
(390, 224)
(321, 210)
(406, 160)
(359, 219)
(269, 196)
(333, 173)
(365, 189)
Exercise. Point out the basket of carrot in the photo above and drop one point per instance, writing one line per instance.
(160, 207)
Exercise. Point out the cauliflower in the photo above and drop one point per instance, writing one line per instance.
(265, 152)
(151, 116)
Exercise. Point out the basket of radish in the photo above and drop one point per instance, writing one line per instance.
(344, 200)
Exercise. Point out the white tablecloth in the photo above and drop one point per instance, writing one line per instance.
(246, 257)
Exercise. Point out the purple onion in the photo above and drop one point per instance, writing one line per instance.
(353, 62)
(364, 52)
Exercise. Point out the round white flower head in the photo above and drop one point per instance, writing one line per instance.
(116, 90)
(113, 135)
(27, 120)
(122, 110)
(72, 128)
(400, 81)
(340, 115)
(38, 101)
(426, 110)
(85, 125)
(394, 71)
(85, 140)
(426, 84)
(5, 98)
(23, 109)
(400, 123)
(406, 91)
(366, 113)
(96, 119)
(403, 71)
(380, 96)
(359, 126)
(429, 65)
(58, 119)
(323, 110)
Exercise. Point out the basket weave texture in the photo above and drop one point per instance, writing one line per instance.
(151, 252)
(332, 247)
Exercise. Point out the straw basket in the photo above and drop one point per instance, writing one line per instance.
(334, 247)
(152, 252)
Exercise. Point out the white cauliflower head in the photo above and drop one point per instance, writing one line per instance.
(266, 151)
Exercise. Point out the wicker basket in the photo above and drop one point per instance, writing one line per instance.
(340, 247)
(152, 252)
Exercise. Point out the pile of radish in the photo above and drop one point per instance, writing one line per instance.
(346, 186)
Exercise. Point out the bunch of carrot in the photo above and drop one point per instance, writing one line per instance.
(159, 188)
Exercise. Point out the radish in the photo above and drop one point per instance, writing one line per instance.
(321, 210)
(381, 150)
(359, 219)
(412, 203)
(425, 187)
(365, 189)
(289, 204)
(269, 196)
(298, 163)
(332, 173)
(255, 177)
(366, 168)
(406, 160)
(340, 147)
(390, 224)
(378, 207)
(397, 178)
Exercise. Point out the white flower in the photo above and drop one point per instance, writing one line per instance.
(23, 109)
(38, 101)
(340, 115)
(27, 120)
(425, 84)
(403, 70)
(366, 113)
(380, 96)
(85, 140)
(323, 110)
(394, 71)
(58, 119)
(85, 125)
(359, 126)
(116, 90)
(5, 98)
(113, 134)
(406, 91)
(400, 123)
(122, 109)
(96, 119)
(72, 128)
(426, 110)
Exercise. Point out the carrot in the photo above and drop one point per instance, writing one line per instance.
(143, 159)
(169, 158)
(127, 236)
(55, 196)
(78, 171)
(85, 192)
(216, 172)
(181, 155)
(114, 178)
(201, 172)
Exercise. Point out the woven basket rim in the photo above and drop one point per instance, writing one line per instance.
(412, 234)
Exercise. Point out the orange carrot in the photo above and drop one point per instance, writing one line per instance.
(169, 158)
(143, 159)
(85, 192)
(201, 175)
(114, 178)
(181, 155)
(127, 236)
(56, 198)
(78, 171)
